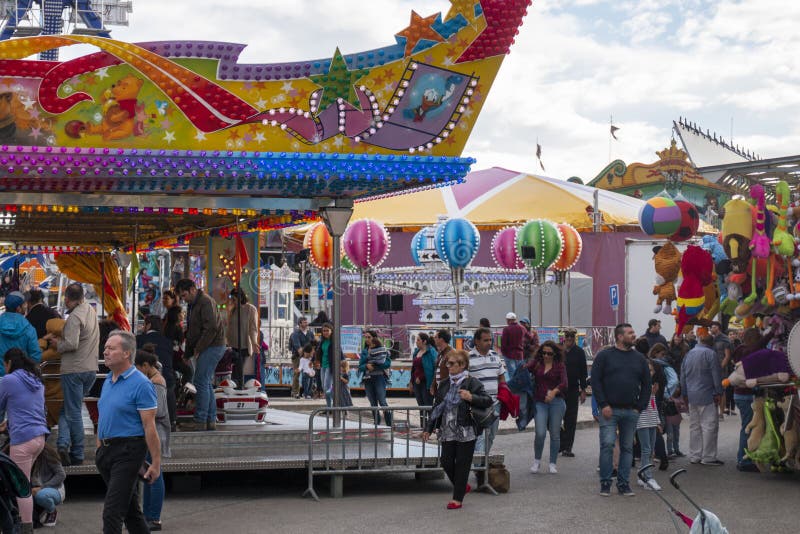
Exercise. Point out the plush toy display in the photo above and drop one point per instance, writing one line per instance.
(697, 268)
(667, 262)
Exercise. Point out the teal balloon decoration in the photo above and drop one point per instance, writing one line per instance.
(418, 243)
(457, 242)
(539, 244)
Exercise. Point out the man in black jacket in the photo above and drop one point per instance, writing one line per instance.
(576, 391)
(621, 386)
(205, 341)
(39, 313)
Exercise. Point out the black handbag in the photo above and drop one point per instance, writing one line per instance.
(483, 417)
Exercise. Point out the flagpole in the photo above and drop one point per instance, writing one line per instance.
(610, 124)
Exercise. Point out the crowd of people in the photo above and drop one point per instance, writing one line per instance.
(640, 389)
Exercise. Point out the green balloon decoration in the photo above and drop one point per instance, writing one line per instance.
(539, 244)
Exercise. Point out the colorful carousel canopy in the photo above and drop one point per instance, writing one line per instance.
(497, 197)
(163, 141)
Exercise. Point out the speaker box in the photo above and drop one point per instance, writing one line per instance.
(390, 303)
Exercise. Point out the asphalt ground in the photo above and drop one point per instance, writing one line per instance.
(258, 502)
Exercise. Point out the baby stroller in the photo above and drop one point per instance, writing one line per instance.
(705, 523)
(13, 484)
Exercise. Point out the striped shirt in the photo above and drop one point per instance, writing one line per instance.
(649, 417)
(488, 369)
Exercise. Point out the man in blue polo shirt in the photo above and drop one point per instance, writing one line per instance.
(126, 431)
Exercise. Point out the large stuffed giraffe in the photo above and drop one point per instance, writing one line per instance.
(783, 242)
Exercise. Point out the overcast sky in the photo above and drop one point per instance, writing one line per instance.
(575, 64)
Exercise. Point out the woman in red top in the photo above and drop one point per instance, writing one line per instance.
(550, 375)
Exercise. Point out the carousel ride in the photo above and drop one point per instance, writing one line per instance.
(538, 254)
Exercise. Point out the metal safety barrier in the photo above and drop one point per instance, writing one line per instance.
(360, 446)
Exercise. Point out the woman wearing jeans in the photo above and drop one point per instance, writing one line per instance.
(423, 371)
(550, 374)
(373, 365)
(22, 397)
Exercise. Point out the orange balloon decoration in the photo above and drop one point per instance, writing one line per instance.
(572, 246)
(320, 245)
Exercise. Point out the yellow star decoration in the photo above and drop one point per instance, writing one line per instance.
(465, 7)
(419, 29)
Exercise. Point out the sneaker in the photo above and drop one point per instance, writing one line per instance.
(679, 454)
(535, 466)
(211, 426)
(51, 518)
(63, 454)
(625, 491)
(653, 485)
(694, 462)
(605, 489)
(714, 463)
(553, 469)
(641, 483)
(154, 525)
(568, 454)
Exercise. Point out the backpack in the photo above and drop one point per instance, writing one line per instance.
(672, 380)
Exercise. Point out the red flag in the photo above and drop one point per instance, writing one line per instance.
(241, 257)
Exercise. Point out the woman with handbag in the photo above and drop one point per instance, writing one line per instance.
(550, 375)
(460, 402)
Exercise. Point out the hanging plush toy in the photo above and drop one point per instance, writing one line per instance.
(697, 267)
(667, 262)
(757, 426)
(760, 242)
(737, 230)
(768, 451)
(764, 366)
(791, 433)
(717, 251)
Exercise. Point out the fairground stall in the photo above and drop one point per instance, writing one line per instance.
(145, 146)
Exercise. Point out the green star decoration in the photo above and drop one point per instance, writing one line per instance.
(339, 82)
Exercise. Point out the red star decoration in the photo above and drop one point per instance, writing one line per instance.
(419, 29)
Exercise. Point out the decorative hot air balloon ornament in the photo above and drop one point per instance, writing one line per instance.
(320, 245)
(572, 245)
(504, 249)
(539, 246)
(457, 242)
(366, 244)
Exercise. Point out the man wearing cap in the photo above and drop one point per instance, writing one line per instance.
(79, 346)
(575, 360)
(653, 334)
(512, 343)
(15, 330)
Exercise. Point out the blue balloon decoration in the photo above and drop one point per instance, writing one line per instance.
(457, 242)
(417, 245)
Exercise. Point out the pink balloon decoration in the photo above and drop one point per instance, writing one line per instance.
(504, 249)
(366, 243)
